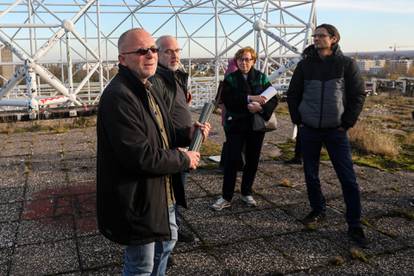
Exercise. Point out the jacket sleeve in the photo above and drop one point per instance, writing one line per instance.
(233, 100)
(182, 136)
(354, 95)
(295, 93)
(123, 125)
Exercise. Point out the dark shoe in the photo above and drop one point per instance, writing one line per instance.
(412, 203)
(357, 235)
(184, 236)
(294, 161)
(314, 218)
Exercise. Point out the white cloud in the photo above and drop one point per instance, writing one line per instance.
(385, 6)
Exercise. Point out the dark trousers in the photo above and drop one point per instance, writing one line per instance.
(339, 150)
(253, 144)
(224, 154)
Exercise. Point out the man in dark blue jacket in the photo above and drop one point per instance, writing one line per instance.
(325, 97)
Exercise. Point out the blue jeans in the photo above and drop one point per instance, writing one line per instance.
(339, 150)
(151, 258)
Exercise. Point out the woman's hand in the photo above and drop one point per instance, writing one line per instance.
(257, 98)
(254, 107)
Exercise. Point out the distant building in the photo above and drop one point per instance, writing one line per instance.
(372, 66)
(365, 64)
(6, 68)
(399, 66)
(375, 70)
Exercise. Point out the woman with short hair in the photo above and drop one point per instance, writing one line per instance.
(241, 97)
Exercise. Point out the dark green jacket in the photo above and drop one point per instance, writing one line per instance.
(234, 95)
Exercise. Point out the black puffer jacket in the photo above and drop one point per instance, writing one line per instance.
(132, 164)
(326, 93)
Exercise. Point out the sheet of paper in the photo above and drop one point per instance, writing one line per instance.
(269, 93)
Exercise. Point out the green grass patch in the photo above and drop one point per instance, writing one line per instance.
(287, 150)
(210, 147)
(404, 161)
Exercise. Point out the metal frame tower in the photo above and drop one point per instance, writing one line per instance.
(64, 50)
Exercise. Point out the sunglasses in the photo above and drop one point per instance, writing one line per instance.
(143, 51)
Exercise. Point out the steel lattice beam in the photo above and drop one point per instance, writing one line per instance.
(80, 38)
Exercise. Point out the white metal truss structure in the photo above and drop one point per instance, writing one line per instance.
(64, 50)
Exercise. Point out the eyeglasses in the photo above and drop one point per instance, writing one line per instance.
(245, 59)
(170, 52)
(143, 51)
(319, 35)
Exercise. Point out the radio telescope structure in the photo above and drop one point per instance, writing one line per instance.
(63, 52)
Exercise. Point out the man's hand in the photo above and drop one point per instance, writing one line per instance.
(205, 129)
(254, 107)
(194, 158)
(257, 98)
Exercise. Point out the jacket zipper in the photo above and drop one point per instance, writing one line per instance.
(322, 96)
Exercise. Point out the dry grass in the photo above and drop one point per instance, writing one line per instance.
(282, 108)
(409, 139)
(390, 118)
(210, 147)
(358, 254)
(368, 139)
(57, 126)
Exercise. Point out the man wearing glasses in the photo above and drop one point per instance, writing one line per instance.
(136, 156)
(325, 97)
(171, 81)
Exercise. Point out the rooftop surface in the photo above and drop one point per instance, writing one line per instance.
(48, 225)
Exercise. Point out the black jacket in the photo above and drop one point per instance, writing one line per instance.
(132, 164)
(234, 96)
(166, 79)
(326, 93)
(165, 84)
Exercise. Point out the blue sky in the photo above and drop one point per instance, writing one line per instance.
(370, 25)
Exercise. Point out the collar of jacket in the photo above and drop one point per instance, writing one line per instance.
(133, 82)
(137, 87)
(251, 75)
(170, 76)
(311, 53)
